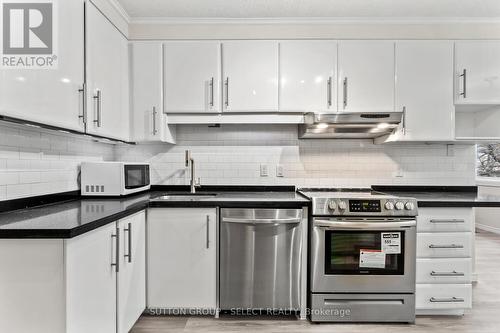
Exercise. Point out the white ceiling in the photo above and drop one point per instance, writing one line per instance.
(370, 9)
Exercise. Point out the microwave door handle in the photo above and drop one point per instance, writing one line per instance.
(358, 225)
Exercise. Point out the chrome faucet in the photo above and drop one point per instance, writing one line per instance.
(193, 183)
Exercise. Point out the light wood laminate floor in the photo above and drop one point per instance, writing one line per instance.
(484, 317)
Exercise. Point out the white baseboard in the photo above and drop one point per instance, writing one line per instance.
(440, 312)
(487, 228)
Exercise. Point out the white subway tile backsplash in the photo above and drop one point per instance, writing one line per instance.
(232, 154)
(36, 162)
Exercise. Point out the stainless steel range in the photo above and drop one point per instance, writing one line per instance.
(363, 256)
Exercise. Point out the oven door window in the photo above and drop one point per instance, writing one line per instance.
(360, 252)
(136, 176)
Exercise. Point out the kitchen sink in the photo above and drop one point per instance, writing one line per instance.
(186, 196)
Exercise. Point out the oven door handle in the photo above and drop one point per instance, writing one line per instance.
(329, 224)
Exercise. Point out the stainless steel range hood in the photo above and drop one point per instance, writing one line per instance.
(349, 125)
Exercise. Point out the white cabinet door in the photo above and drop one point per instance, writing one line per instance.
(51, 96)
(91, 281)
(182, 258)
(250, 76)
(192, 76)
(149, 122)
(308, 71)
(481, 62)
(366, 76)
(132, 276)
(424, 88)
(107, 77)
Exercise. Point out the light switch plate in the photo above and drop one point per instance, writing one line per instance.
(280, 171)
(264, 170)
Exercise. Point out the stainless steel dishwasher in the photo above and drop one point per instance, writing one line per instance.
(261, 259)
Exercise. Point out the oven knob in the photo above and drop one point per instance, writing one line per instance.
(342, 205)
(409, 206)
(400, 205)
(332, 205)
(389, 205)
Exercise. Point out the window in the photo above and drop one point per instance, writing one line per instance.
(488, 160)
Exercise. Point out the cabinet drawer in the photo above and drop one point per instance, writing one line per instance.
(447, 270)
(445, 219)
(443, 296)
(444, 245)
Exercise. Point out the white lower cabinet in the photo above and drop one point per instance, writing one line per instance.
(443, 297)
(82, 284)
(106, 277)
(182, 258)
(132, 275)
(445, 247)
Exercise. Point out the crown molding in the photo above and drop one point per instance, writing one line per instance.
(312, 20)
(120, 10)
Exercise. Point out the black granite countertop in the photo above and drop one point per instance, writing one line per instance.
(73, 217)
(442, 196)
(70, 215)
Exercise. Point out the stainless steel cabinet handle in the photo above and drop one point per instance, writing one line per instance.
(116, 264)
(345, 92)
(454, 273)
(154, 121)
(464, 77)
(447, 221)
(226, 84)
(83, 92)
(129, 231)
(329, 91)
(208, 231)
(403, 121)
(212, 92)
(98, 99)
(446, 300)
(451, 246)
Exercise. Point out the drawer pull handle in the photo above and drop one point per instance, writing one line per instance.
(454, 273)
(451, 246)
(447, 221)
(446, 300)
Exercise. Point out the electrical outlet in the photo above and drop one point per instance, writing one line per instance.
(263, 170)
(450, 150)
(280, 171)
(399, 173)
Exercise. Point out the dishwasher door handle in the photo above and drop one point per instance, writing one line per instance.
(261, 221)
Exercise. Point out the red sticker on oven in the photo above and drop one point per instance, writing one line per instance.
(391, 242)
(371, 258)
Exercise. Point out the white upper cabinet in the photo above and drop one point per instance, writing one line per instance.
(148, 118)
(477, 72)
(308, 76)
(366, 76)
(51, 96)
(192, 76)
(424, 88)
(250, 76)
(107, 77)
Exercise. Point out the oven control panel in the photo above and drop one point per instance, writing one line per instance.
(392, 206)
(365, 206)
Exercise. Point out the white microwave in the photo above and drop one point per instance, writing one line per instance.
(114, 178)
